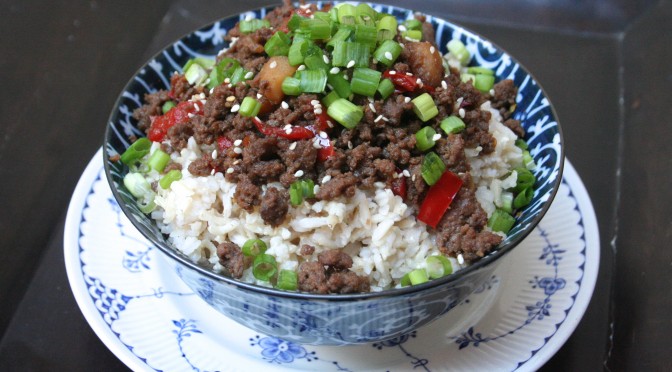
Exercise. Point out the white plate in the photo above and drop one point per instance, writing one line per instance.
(152, 321)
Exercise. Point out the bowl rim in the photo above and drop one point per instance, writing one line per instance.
(481, 264)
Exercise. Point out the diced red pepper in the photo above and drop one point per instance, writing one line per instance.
(303, 12)
(399, 186)
(296, 133)
(176, 115)
(223, 143)
(438, 198)
(402, 82)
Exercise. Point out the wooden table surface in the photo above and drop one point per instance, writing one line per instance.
(606, 65)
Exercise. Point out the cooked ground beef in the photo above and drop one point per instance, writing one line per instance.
(331, 274)
(274, 206)
(232, 259)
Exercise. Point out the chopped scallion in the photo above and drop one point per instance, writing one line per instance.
(480, 70)
(250, 25)
(385, 88)
(452, 124)
(312, 81)
(345, 112)
(387, 52)
(484, 82)
(296, 193)
(137, 185)
(195, 74)
(278, 44)
(438, 266)
(297, 51)
(415, 35)
(287, 280)
(366, 34)
(501, 221)
(158, 160)
(418, 276)
(432, 168)
(170, 177)
(365, 14)
(250, 107)
(506, 201)
(347, 14)
(528, 161)
(412, 24)
(318, 29)
(387, 28)
(291, 86)
(424, 107)
(264, 267)
(340, 85)
(523, 198)
(253, 247)
(524, 180)
(459, 51)
(365, 81)
(167, 106)
(520, 143)
(136, 151)
(424, 138)
(329, 98)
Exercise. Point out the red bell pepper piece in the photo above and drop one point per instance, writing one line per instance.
(402, 82)
(177, 115)
(223, 143)
(399, 186)
(297, 132)
(438, 198)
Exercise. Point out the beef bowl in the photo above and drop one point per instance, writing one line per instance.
(333, 175)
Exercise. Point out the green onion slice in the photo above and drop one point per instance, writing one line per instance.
(520, 143)
(424, 138)
(385, 88)
(480, 70)
(264, 267)
(525, 179)
(250, 107)
(405, 281)
(452, 124)
(365, 81)
(254, 247)
(347, 14)
(167, 106)
(506, 201)
(501, 221)
(345, 113)
(523, 198)
(312, 81)
(340, 85)
(432, 168)
(412, 24)
(387, 28)
(158, 160)
(387, 52)
(528, 161)
(169, 178)
(418, 276)
(296, 193)
(424, 107)
(291, 86)
(414, 35)
(459, 50)
(278, 44)
(136, 151)
(330, 98)
(484, 82)
(137, 185)
(438, 266)
(287, 280)
(250, 25)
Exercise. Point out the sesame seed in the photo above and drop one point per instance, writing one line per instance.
(395, 175)
(301, 68)
(393, 72)
(373, 108)
(409, 74)
(314, 102)
(237, 150)
(229, 170)
(196, 107)
(212, 90)
(386, 119)
(436, 137)
(236, 162)
(273, 64)
(316, 189)
(350, 145)
(190, 115)
(407, 99)
(249, 75)
(462, 113)
(492, 92)
(325, 59)
(318, 111)
(326, 179)
(214, 154)
(345, 76)
(323, 134)
(299, 173)
(460, 259)
(292, 146)
(334, 70)
(388, 55)
(237, 142)
(316, 144)
(432, 49)
(287, 126)
(230, 98)
(288, 130)
(227, 80)
(380, 117)
(284, 105)
(419, 82)
(259, 96)
(330, 124)
(350, 64)
(402, 28)
(444, 85)
(413, 177)
(406, 173)
(235, 108)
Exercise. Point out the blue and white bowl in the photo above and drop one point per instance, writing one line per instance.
(351, 318)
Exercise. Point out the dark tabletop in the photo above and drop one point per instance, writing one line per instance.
(606, 66)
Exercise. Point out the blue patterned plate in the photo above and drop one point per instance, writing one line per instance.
(151, 320)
